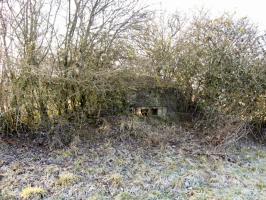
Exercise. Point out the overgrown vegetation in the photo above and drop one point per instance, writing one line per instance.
(70, 63)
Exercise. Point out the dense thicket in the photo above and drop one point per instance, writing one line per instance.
(68, 60)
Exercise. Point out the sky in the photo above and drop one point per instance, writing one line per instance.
(255, 10)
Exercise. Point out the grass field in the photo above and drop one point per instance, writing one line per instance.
(127, 167)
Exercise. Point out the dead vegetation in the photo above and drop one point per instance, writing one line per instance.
(132, 163)
(55, 75)
(68, 71)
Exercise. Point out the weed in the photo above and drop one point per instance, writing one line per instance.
(115, 180)
(33, 192)
(261, 185)
(67, 179)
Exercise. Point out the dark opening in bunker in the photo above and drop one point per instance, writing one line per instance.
(144, 112)
(154, 111)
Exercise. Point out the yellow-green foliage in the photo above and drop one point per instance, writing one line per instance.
(115, 180)
(66, 179)
(33, 192)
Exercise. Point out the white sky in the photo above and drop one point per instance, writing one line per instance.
(255, 10)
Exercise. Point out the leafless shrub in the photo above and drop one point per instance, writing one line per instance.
(74, 61)
(222, 130)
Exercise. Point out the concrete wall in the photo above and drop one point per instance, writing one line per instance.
(168, 101)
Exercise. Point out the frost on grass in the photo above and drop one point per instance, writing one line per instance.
(127, 167)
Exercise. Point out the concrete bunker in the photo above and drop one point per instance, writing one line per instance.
(150, 96)
(155, 101)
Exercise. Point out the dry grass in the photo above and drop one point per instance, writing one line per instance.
(115, 180)
(33, 192)
(66, 179)
(128, 166)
